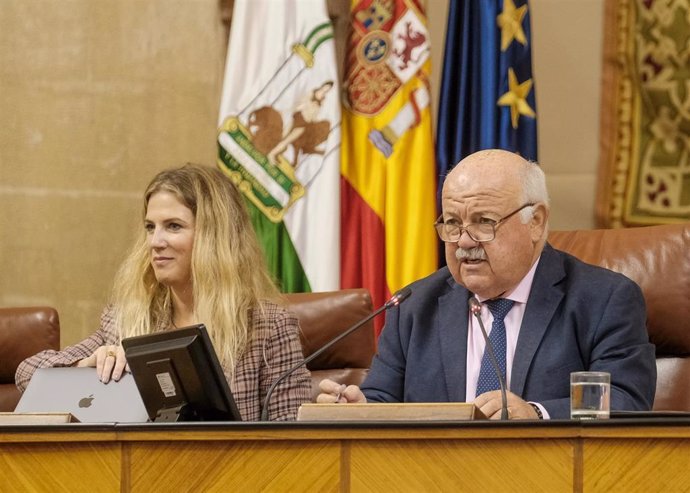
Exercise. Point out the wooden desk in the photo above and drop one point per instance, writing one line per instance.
(619, 455)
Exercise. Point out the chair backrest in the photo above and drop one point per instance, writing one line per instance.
(322, 317)
(23, 333)
(658, 259)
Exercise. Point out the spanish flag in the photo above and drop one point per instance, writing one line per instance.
(388, 178)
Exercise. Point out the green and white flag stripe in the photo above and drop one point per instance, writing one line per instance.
(279, 136)
(319, 35)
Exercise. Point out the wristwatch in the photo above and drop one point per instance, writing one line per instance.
(537, 410)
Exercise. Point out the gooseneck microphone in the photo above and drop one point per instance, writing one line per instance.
(395, 300)
(476, 309)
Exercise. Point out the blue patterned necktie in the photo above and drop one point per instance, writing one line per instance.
(488, 380)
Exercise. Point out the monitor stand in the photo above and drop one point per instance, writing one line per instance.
(182, 412)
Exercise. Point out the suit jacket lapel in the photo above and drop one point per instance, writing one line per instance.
(543, 300)
(452, 324)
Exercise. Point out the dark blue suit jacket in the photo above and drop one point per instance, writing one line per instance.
(578, 317)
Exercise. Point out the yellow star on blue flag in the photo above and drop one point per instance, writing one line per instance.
(516, 98)
(510, 22)
(487, 97)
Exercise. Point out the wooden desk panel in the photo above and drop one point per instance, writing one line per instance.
(235, 466)
(433, 465)
(614, 456)
(36, 466)
(636, 464)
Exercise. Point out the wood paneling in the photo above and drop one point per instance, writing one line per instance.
(432, 465)
(649, 464)
(60, 467)
(542, 456)
(240, 465)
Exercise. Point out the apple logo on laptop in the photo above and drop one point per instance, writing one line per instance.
(86, 401)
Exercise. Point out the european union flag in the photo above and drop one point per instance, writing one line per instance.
(487, 91)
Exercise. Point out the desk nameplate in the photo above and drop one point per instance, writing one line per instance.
(427, 411)
(36, 418)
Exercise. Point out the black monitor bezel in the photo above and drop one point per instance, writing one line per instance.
(194, 345)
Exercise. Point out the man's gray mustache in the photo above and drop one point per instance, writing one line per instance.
(474, 253)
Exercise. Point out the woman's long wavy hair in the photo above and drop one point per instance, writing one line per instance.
(229, 276)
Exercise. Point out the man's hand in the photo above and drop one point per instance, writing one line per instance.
(109, 361)
(334, 392)
(489, 403)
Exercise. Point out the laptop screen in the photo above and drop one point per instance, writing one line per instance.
(79, 391)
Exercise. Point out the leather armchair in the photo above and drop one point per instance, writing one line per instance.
(658, 259)
(23, 333)
(322, 317)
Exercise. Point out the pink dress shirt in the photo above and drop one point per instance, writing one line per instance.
(513, 321)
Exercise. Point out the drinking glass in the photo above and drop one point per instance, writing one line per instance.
(590, 395)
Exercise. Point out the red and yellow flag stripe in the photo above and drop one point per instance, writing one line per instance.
(388, 183)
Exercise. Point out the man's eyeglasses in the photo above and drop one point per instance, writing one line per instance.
(479, 232)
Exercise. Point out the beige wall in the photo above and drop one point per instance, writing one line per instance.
(567, 68)
(97, 96)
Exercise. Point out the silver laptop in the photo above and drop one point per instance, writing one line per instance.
(79, 392)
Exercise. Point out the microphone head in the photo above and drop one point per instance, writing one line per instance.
(399, 296)
(475, 306)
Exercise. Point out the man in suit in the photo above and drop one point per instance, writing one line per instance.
(560, 314)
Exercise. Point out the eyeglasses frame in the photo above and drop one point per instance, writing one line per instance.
(463, 229)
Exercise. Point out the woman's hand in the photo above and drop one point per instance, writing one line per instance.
(109, 361)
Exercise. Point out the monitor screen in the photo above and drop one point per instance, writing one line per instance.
(179, 377)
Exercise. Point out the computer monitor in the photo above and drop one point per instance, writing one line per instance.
(179, 377)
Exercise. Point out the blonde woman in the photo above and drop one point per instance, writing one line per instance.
(197, 260)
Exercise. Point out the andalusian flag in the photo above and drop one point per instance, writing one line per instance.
(388, 171)
(279, 136)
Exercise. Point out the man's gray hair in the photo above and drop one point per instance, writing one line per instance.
(533, 188)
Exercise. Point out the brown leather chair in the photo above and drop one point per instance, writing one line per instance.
(658, 259)
(322, 317)
(23, 333)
